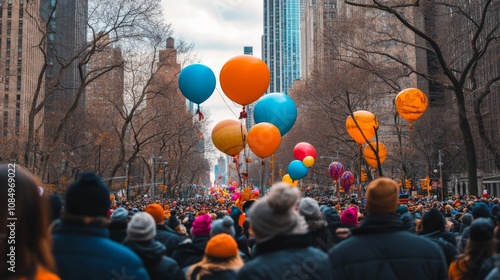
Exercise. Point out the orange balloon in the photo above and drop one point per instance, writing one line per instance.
(264, 139)
(367, 122)
(229, 137)
(411, 104)
(221, 200)
(370, 157)
(244, 79)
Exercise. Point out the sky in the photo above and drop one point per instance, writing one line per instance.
(219, 29)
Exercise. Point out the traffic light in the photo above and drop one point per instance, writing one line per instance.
(408, 184)
(364, 176)
(424, 183)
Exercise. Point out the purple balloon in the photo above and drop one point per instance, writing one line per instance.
(336, 169)
(346, 180)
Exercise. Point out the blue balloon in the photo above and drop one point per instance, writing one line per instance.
(197, 82)
(297, 170)
(278, 109)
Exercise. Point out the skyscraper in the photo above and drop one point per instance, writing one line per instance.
(67, 38)
(21, 63)
(281, 42)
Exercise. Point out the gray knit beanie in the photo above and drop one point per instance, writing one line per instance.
(274, 214)
(309, 209)
(224, 225)
(142, 227)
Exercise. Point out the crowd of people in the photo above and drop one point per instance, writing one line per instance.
(282, 235)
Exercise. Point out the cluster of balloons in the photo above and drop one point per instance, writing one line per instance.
(336, 171)
(243, 79)
(305, 156)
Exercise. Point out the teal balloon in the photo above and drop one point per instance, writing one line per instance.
(197, 82)
(278, 109)
(297, 170)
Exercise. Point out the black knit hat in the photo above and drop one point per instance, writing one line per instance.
(481, 229)
(433, 221)
(88, 196)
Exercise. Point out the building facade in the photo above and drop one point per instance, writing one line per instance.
(281, 43)
(20, 67)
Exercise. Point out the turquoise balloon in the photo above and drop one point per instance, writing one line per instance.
(278, 109)
(297, 170)
(197, 82)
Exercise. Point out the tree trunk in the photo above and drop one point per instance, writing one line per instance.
(470, 150)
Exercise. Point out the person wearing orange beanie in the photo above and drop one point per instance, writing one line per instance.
(389, 251)
(221, 260)
(167, 236)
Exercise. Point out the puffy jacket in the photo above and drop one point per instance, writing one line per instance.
(118, 231)
(382, 249)
(321, 237)
(286, 257)
(169, 238)
(450, 251)
(189, 253)
(152, 254)
(86, 252)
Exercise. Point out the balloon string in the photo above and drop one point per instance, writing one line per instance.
(200, 115)
(243, 114)
(225, 102)
(411, 132)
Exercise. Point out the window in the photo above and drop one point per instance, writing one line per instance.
(19, 82)
(9, 12)
(5, 122)
(20, 31)
(331, 14)
(10, 2)
(51, 36)
(21, 12)
(18, 120)
(6, 101)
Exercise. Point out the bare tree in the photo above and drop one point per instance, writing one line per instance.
(450, 69)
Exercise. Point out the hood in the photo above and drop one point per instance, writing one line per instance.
(149, 251)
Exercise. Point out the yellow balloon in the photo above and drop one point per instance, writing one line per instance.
(367, 122)
(308, 161)
(411, 104)
(229, 137)
(370, 157)
(287, 179)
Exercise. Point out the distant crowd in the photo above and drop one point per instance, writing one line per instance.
(86, 235)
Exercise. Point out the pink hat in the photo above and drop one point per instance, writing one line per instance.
(202, 225)
(349, 217)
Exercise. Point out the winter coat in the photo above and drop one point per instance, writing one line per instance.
(191, 252)
(286, 257)
(321, 237)
(118, 231)
(152, 254)
(380, 248)
(216, 275)
(86, 252)
(487, 266)
(169, 238)
(450, 251)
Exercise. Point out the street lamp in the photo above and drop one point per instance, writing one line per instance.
(440, 164)
(153, 174)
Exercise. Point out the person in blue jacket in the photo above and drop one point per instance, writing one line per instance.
(82, 247)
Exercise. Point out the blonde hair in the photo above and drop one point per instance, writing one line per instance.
(209, 265)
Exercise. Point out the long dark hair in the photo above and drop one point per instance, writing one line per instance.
(474, 255)
(32, 239)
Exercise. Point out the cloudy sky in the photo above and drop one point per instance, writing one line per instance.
(219, 30)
